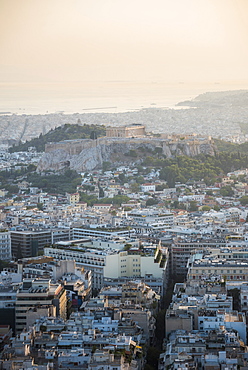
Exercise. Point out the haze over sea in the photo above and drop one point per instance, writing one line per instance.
(107, 96)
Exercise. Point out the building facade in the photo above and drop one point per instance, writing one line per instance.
(5, 246)
(39, 297)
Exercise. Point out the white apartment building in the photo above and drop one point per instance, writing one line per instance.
(111, 264)
(90, 259)
(148, 220)
(210, 320)
(125, 264)
(7, 297)
(147, 187)
(101, 232)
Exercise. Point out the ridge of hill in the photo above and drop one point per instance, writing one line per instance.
(61, 133)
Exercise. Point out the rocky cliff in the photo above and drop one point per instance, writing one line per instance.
(87, 155)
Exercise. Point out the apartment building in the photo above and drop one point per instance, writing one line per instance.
(39, 297)
(148, 187)
(214, 320)
(107, 263)
(214, 269)
(148, 220)
(30, 243)
(182, 248)
(101, 232)
(143, 317)
(5, 246)
(90, 259)
(73, 198)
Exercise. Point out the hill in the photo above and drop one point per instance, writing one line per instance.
(225, 146)
(64, 132)
(237, 98)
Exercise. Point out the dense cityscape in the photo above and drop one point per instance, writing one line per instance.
(140, 263)
(123, 185)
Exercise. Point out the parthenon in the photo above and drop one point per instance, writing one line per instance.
(134, 130)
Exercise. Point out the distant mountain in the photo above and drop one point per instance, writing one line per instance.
(65, 132)
(237, 98)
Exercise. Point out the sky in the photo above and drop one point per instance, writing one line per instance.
(115, 40)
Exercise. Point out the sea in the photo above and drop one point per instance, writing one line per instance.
(105, 96)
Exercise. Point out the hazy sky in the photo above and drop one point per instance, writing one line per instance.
(102, 40)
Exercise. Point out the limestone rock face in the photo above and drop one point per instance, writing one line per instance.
(87, 155)
(56, 160)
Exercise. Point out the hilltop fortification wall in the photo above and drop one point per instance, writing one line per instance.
(89, 154)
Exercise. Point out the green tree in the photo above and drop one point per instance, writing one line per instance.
(226, 191)
(40, 206)
(119, 199)
(193, 206)
(132, 153)
(106, 165)
(206, 208)
(140, 179)
(244, 200)
(12, 189)
(135, 188)
(89, 199)
(122, 178)
(151, 202)
(101, 192)
(93, 135)
(209, 192)
(161, 187)
(175, 204)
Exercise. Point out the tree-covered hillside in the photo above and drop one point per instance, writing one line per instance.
(225, 146)
(65, 132)
(202, 167)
